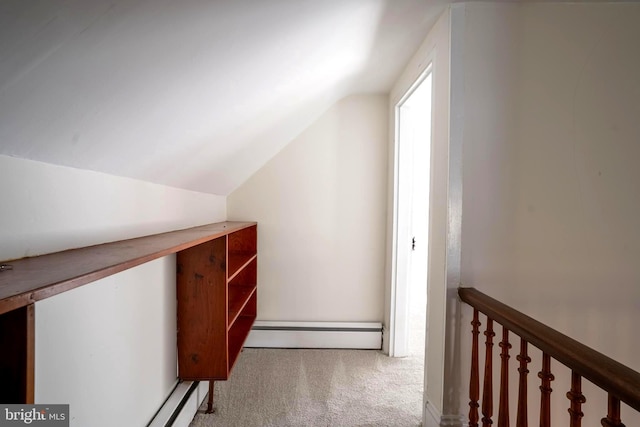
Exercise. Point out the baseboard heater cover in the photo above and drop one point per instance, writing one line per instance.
(182, 405)
(347, 335)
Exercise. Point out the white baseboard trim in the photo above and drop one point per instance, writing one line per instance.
(453, 421)
(347, 335)
(434, 418)
(182, 405)
(431, 415)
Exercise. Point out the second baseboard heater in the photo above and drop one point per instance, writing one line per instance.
(347, 335)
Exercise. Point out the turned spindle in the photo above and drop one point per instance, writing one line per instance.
(613, 414)
(487, 389)
(524, 359)
(545, 389)
(577, 399)
(503, 408)
(474, 384)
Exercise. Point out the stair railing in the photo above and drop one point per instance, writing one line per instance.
(620, 382)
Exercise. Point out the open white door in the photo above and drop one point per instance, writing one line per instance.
(411, 219)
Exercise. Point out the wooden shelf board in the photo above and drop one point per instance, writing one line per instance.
(237, 262)
(33, 279)
(237, 337)
(238, 298)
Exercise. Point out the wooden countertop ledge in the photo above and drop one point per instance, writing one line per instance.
(36, 278)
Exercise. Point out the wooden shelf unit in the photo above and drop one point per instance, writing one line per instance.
(217, 302)
(33, 279)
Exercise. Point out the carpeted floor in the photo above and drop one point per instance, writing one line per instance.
(276, 387)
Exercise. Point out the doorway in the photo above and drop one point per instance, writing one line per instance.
(411, 222)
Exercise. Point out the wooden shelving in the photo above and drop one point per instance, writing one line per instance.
(217, 304)
(36, 278)
(238, 334)
(238, 299)
(217, 301)
(237, 262)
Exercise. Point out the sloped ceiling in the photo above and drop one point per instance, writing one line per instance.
(195, 94)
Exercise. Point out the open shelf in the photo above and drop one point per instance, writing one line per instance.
(241, 287)
(238, 261)
(237, 336)
(243, 246)
(238, 298)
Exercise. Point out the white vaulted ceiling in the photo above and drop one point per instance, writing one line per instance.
(196, 94)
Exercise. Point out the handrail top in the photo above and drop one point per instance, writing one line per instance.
(610, 375)
(36, 278)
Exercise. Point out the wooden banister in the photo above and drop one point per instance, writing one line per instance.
(621, 382)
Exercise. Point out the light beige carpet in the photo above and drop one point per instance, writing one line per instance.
(275, 387)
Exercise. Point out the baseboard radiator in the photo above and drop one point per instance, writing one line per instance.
(347, 335)
(181, 405)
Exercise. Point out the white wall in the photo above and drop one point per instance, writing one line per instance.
(107, 348)
(436, 50)
(136, 88)
(551, 208)
(45, 208)
(320, 206)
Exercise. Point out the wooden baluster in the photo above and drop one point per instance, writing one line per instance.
(524, 359)
(487, 389)
(545, 400)
(577, 399)
(503, 409)
(613, 415)
(474, 385)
